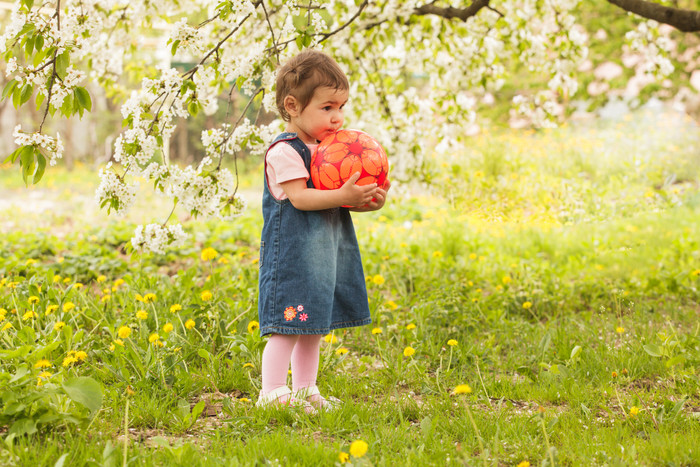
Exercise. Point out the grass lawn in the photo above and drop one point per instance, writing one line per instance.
(538, 304)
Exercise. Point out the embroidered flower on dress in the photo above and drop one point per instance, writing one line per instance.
(290, 313)
(300, 308)
(303, 317)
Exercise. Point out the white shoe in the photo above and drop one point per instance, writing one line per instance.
(272, 399)
(329, 404)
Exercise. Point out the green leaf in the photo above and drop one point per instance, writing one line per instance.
(204, 354)
(27, 92)
(61, 460)
(83, 97)
(677, 360)
(300, 22)
(653, 350)
(9, 87)
(23, 426)
(29, 45)
(67, 105)
(197, 411)
(39, 42)
(173, 48)
(40, 167)
(193, 108)
(28, 166)
(575, 352)
(39, 100)
(85, 391)
(62, 62)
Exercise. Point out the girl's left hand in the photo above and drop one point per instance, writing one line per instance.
(377, 202)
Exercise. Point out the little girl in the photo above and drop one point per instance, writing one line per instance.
(311, 278)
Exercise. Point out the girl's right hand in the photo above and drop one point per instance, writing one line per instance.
(357, 195)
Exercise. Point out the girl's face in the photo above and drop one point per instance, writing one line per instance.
(323, 116)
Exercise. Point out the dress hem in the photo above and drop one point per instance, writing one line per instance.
(265, 330)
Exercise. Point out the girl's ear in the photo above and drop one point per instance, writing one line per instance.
(291, 105)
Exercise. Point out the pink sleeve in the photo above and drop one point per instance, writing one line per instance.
(283, 164)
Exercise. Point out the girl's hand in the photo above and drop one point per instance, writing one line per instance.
(358, 195)
(377, 202)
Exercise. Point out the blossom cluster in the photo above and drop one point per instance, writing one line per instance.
(155, 238)
(52, 147)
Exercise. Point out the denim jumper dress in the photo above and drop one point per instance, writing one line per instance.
(311, 278)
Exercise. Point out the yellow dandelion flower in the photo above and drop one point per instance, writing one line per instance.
(56, 278)
(43, 363)
(30, 261)
(153, 337)
(437, 254)
(695, 273)
(45, 374)
(527, 305)
(391, 305)
(358, 448)
(33, 299)
(124, 332)
(68, 306)
(118, 282)
(452, 342)
(330, 338)
(175, 308)
(634, 411)
(206, 295)
(7, 326)
(244, 400)
(524, 464)
(78, 285)
(619, 329)
(410, 326)
(130, 391)
(28, 315)
(58, 326)
(68, 361)
(138, 297)
(142, 314)
(105, 298)
(343, 457)
(341, 351)
(248, 365)
(614, 374)
(462, 389)
(473, 256)
(376, 330)
(189, 324)
(101, 278)
(167, 327)
(253, 326)
(222, 260)
(66, 280)
(209, 254)
(112, 347)
(81, 355)
(378, 279)
(50, 309)
(409, 351)
(149, 298)
(506, 280)
(119, 342)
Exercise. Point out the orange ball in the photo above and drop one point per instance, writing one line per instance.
(342, 154)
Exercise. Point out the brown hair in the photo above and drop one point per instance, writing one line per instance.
(305, 72)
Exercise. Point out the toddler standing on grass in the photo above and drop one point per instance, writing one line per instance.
(311, 278)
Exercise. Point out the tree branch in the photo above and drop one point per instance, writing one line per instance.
(683, 20)
(452, 12)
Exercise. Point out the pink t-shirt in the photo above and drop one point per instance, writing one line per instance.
(285, 164)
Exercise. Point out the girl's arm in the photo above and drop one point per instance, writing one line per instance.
(311, 199)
